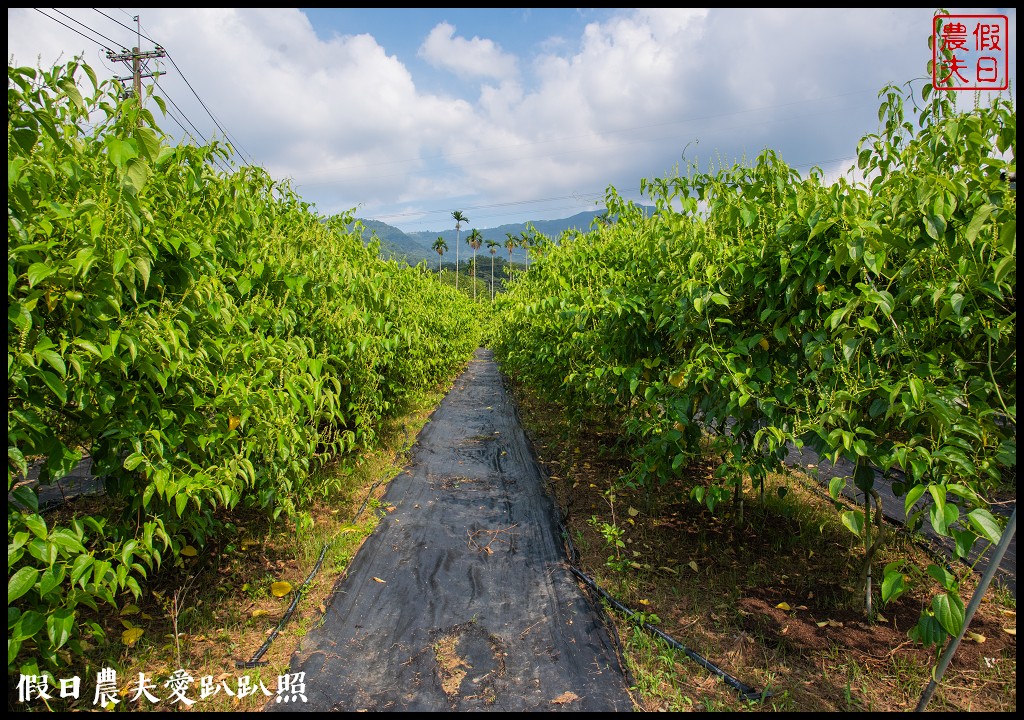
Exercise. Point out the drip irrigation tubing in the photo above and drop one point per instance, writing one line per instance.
(745, 691)
(256, 661)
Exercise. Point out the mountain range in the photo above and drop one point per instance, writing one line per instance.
(414, 247)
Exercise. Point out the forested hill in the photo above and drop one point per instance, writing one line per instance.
(417, 246)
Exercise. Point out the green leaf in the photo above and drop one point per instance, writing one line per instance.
(978, 221)
(50, 578)
(67, 540)
(120, 258)
(148, 142)
(1005, 265)
(868, 322)
(986, 525)
(913, 496)
(142, 264)
(957, 303)
(59, 626)
(71, 90)
(964, 541)
(54, 383)
(1008, 233)
(835, 486)
(37, 272)
(928, 631)
(949, 611)
(80, 569)
(133, 461)
(935, 226)
(137, 173)
(893, 585)
(37, 525)
(854, 521)
(21, 582)
(29, 624)
(942, 576)
(118, 151)
(916, 389)
(26, 497)
(943, 518)
(55, 361)
(88, 346)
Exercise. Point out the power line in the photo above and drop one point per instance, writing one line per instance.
(208, 112)
(212, 117)
(134, 30)
(94, 40)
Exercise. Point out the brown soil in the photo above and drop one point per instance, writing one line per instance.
(721, 589)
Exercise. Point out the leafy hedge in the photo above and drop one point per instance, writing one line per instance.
(875, 321)
(205, 336)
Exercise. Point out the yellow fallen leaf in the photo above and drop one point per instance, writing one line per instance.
(783, 606)
(633, 512)
(693, 566)
(1010, 631)
(260, 613)
(281, 588)
(130, 610)
(378, 579)
(566, 697)
(881, 618)
(131, 635)
(644, 602)
(976, 637)
(188, 551)
(668, 569)
(823, 623)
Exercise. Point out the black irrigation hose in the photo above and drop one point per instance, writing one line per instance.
(745, 691)
(255, 661)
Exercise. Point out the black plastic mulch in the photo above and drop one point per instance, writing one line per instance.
(462, 598)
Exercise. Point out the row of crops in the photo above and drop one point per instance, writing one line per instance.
(875, 321)
(206, 337)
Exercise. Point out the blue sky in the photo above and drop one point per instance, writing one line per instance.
(506, 114)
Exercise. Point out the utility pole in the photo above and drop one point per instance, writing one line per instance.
(136, 59)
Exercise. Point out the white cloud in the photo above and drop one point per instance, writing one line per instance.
(467, 58)
(352, 124)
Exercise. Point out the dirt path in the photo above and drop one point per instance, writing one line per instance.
(462, 599)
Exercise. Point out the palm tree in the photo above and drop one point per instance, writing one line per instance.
(510, 245)
(526, 242)
(459, 218)
(493, 247)
(440, 247)
(474, 240)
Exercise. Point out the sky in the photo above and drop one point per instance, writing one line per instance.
(505, 114)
